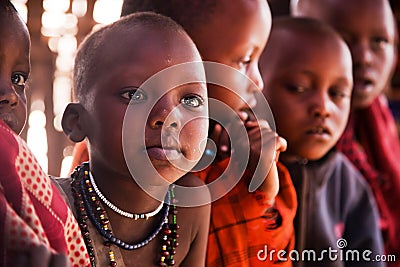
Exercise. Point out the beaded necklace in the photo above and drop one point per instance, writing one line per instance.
(134, 216)
(88, 206)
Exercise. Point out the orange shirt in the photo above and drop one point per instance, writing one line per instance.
(244, 229)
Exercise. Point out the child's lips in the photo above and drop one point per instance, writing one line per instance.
(320, 131)
(363, 85)
(163, 153)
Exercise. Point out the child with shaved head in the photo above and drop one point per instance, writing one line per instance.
(307, 71)
(140, 137)
(233, 34)
(370, 139)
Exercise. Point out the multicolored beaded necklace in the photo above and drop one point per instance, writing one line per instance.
(88, 206)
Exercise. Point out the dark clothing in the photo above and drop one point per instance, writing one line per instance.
(371, 142)
(334, 203)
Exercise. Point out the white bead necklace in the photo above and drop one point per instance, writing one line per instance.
(118, 210)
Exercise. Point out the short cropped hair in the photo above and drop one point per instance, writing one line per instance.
(87, 52)
(304, 24)
(7, 7)
(188, 13)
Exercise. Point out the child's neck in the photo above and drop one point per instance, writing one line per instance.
(290, 158)
(123, 191)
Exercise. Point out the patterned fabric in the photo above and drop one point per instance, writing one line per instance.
(371, 143)
(32, 211)
(243, 226)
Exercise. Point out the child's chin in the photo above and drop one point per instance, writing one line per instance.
(169, 174)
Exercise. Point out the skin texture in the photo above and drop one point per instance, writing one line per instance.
(14, 74)
(309, 97)
(237, 43)
(372, 42)
(100, 116)
(14, 70)
(240, 48)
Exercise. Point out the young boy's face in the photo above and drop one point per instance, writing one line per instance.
(368, 28)
(308, 82)
(14, 70)
(122, 68)
(235, 35)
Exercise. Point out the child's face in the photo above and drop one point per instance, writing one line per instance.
(235, 35)
(308, 84)
(123, 68)
(14, 70)
(368, 28)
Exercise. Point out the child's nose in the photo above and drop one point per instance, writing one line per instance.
(165, 117)
(170, 123)
(255, 76)
(8, 96)
(320, 106)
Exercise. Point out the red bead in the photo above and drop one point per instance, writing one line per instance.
(165, 253)
(113, 263)
(167, 231)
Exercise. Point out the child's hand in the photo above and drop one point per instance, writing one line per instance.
(265, 146)
(270, 185)
(39, 257)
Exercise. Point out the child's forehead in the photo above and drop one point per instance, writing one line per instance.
(146, 43)
(10, 20)
(140, 53)
(13, 28)
(295, 43)
(344, 9)
(242, 10)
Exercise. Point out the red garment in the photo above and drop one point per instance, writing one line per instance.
(244, 225)
(371, 143)
(32, 211)
(79, 155)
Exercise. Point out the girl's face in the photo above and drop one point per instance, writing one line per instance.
(14, 70)
(235, 36)
(166, 121)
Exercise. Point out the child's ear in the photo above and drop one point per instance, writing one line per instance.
(72, 122)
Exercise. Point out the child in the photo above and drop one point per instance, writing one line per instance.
(36, 226)
(242, 223)
(370, 139)
(307, 71)
(112, 207)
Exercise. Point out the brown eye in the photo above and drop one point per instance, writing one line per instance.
(243, 63)
(134, 95)
(193, 101)
(297, 88)
(379, 42)
(18, 79)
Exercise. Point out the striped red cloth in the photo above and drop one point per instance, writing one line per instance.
(32, 211)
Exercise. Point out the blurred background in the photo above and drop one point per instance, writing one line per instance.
(57, 27)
